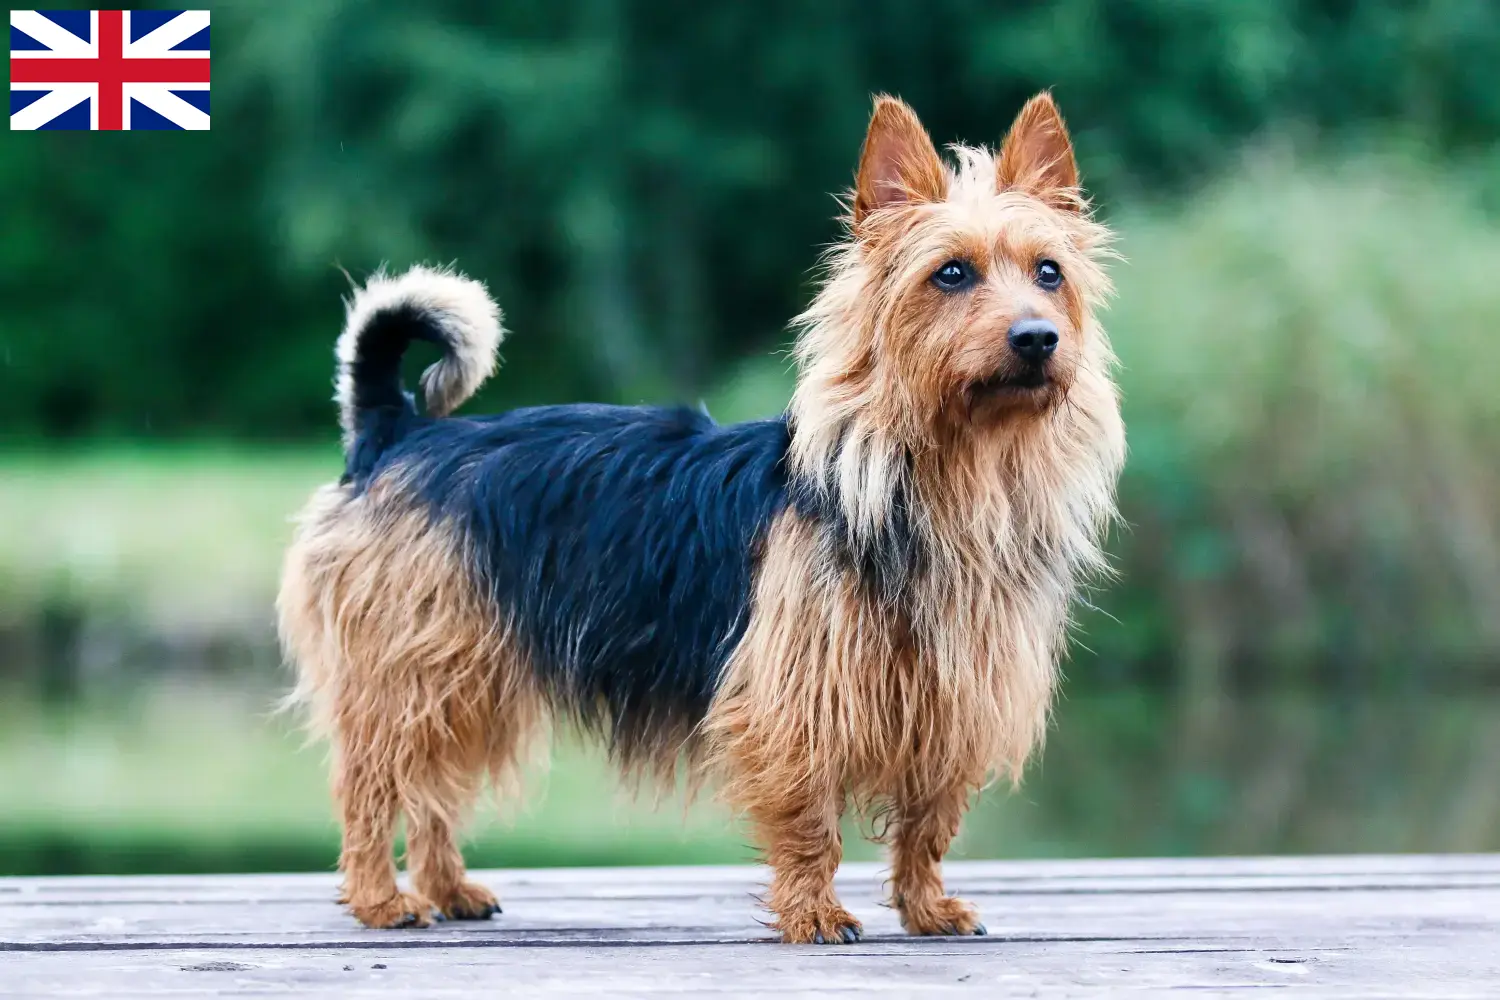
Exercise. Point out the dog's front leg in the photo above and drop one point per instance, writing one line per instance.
(800, 833)
(926, 823)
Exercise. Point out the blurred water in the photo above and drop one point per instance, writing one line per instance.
(191, 771)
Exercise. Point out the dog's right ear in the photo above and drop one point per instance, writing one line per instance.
(898, 164)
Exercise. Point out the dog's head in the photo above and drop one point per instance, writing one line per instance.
(964, 296)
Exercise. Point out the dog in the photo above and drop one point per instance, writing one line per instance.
(860, 603)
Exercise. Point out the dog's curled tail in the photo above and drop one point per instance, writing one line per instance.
(441, 307)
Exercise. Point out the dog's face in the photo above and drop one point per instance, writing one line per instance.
(979, 281)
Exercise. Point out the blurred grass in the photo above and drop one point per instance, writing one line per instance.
(201, 776)
(175, 538)
(185, 777)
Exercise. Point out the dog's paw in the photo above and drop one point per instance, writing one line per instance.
(946, 916)
(404, 909)
(824, 925)
(467, 901)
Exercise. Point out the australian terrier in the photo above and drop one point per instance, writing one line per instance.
(861, 602)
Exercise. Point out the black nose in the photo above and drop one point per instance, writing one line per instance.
(1033, 339)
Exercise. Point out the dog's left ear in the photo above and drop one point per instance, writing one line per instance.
(1037, 156)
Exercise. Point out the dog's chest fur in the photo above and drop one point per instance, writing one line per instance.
(924, 654)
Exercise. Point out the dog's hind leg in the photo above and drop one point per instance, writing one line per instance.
(330, 596)
(476, 736)
(437, 867)
(478, 724)
(368, 804)
(439, 728)
(405, 664)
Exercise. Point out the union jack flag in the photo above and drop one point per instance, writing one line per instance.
(109, 69)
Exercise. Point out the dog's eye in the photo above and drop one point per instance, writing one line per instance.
(953, 275)
(1048, 274)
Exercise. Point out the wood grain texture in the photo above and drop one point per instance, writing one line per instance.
(1354, 926)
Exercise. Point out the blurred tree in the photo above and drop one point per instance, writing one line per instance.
(643, 184)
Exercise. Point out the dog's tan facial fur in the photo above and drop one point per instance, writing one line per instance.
(882, 345)
(908, 427)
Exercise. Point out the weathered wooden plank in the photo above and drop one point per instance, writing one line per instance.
(684, 879)
(976, 968)
(1356, 922)
(1352, 926)
(990, 878)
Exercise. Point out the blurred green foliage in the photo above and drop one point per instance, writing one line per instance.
(1311, 497)
(643, 184)
(1307, 362)
(1314, 486)
(1306, 192)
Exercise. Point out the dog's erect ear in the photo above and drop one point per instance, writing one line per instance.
(1037, 156)
(898, 164)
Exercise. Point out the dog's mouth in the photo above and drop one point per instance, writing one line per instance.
(1031, 390)
(1013, 383)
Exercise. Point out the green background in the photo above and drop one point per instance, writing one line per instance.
(1302, 651)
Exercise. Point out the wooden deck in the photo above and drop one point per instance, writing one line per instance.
(1328, 927)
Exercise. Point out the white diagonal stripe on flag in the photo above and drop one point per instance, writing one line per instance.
(62, 43)
(44, 109)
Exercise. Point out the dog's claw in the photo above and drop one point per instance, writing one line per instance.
(945, 917)
(839, 934)
(830, 926)
(471, 902)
